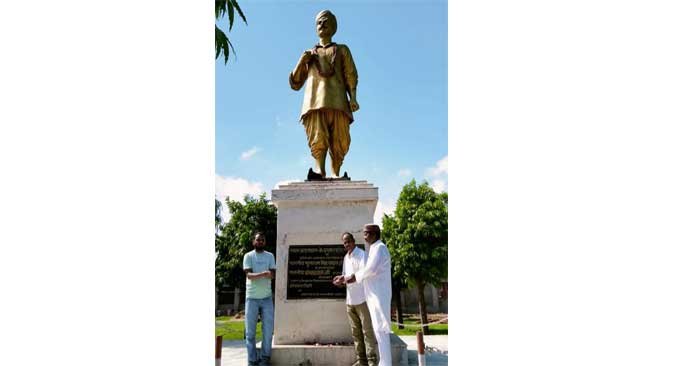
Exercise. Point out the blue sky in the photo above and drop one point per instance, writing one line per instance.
(400, 131)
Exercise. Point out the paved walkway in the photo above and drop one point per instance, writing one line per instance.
(234, 352)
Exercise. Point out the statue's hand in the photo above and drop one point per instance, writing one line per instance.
(354, 106)
(306, 57)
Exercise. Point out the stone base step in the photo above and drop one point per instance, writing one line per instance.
(309, 355)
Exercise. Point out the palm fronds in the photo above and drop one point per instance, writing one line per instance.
(226, 8)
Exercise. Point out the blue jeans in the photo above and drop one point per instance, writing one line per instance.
(252, 308)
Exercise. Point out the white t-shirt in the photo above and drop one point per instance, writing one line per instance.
(352, 263)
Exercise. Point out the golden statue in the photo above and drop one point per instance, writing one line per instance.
(331, 77)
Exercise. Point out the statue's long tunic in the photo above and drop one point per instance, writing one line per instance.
(329, 77)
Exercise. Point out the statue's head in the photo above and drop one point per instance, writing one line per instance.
(326, 24)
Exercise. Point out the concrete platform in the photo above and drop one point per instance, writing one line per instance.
(234, 352)
(330, 355)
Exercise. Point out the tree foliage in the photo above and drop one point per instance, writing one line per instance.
(236, 238)
(217, 216)
(226, 8)
(416, 235)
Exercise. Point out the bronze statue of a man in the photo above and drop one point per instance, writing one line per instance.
(331, 77)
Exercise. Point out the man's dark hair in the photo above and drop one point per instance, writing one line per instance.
(259, 233)
(352, 238)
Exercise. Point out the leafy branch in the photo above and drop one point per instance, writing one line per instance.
(226, 8)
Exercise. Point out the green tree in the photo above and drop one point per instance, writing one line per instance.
(416, 235)
(397, 284)
(236, 238)
(225, 8)
(217, 216)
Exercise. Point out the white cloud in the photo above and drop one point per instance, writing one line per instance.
(235, 189)
(246, 155)
(437, 175)
(439, 168)
(439, 185)
(383, 208)
(404, 172)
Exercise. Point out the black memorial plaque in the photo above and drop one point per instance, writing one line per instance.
(311, 269)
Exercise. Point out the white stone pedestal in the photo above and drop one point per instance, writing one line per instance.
(316, 213)
(330, 355)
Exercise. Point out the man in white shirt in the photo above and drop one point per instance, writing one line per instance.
(376, 276)
(358, 312)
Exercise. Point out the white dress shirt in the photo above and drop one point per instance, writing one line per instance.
(353, 262)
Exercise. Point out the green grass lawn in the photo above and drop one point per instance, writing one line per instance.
(409, 329)
(232, 329)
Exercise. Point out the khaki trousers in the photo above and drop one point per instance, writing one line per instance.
(366, 350)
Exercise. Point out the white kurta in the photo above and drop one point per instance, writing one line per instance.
(376, 277)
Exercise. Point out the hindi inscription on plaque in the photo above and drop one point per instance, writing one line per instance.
(310, 272)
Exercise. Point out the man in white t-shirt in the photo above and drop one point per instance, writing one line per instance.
(366, 352)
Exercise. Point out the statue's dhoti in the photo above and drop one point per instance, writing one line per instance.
(328, 130)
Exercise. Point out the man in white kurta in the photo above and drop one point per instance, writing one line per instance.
(376, 277)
